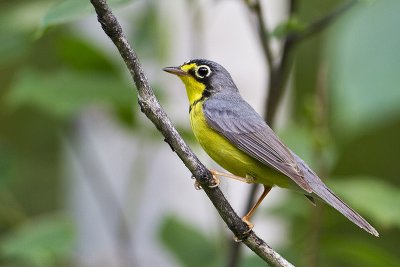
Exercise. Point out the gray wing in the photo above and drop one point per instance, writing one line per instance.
(242, 125)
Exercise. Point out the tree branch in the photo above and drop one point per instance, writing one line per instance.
(282, 71)
(263, 32)
(280, 74)
(152, 109)
(322, 23)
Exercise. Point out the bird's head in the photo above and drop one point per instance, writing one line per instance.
(202, 78)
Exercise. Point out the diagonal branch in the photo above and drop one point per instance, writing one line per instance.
(322, 23)
(152, 109)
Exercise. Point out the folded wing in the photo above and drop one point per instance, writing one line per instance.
(242, 126)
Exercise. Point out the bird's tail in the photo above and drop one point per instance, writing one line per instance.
(326, 194)
(329, 197)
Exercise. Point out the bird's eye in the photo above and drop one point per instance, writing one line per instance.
(203, 71)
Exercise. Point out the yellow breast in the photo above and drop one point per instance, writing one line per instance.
(222, 151)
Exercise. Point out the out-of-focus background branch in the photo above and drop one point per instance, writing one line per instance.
(340, 112)
(279, 73)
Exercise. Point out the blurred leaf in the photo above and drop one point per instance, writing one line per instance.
(301, 140)
(188, 244)
(30, 158)
(70, 10)
(40, 242)
(366, 254)
(11, 213)
(374, 154)
(81, 55)
(13, 47)
(305, 141)
(371, 196)
(364, 68)
(292, 25)
(294, 206)
(22, 16)
(18, 22)
(63, 94)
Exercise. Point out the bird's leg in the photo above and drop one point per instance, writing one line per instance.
(215, 182)
(247, 217)
(216, 174)
(247, 179)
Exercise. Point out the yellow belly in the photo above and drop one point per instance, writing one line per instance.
(231, 158)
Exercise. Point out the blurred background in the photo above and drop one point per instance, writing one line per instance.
(86, 180)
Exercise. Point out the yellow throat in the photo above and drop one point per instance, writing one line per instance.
(194, 88)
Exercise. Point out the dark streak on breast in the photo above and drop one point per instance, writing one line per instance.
(206, 94)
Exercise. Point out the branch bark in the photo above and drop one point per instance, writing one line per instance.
(153, 110)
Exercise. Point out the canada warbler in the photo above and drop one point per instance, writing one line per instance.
(239, 140)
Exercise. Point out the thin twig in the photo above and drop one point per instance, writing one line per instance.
(324, 22)
(281, 74)
(152, 109)
(263, 32)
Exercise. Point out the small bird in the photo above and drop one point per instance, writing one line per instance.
(235, 136)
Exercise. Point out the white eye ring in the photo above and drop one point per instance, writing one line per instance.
(202, 71)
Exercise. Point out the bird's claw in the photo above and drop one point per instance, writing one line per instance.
(197, 185)
(245, 219)
(216, 181)
(245, 234)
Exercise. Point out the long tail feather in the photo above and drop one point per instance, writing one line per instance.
(329, 197)
(326, 194)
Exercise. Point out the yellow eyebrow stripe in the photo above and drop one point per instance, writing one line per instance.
(187, 67)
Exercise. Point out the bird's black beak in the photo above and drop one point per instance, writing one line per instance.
(176, 71)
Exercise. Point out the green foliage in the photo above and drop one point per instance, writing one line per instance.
(65, 93)
(46, 81)
(307, 141)
(41, 242)
(350, 252)
(364, 63)
(71, 10)
(190, 247)
(78, 80)
(372, 197)
(88, 59)
(290, 26)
